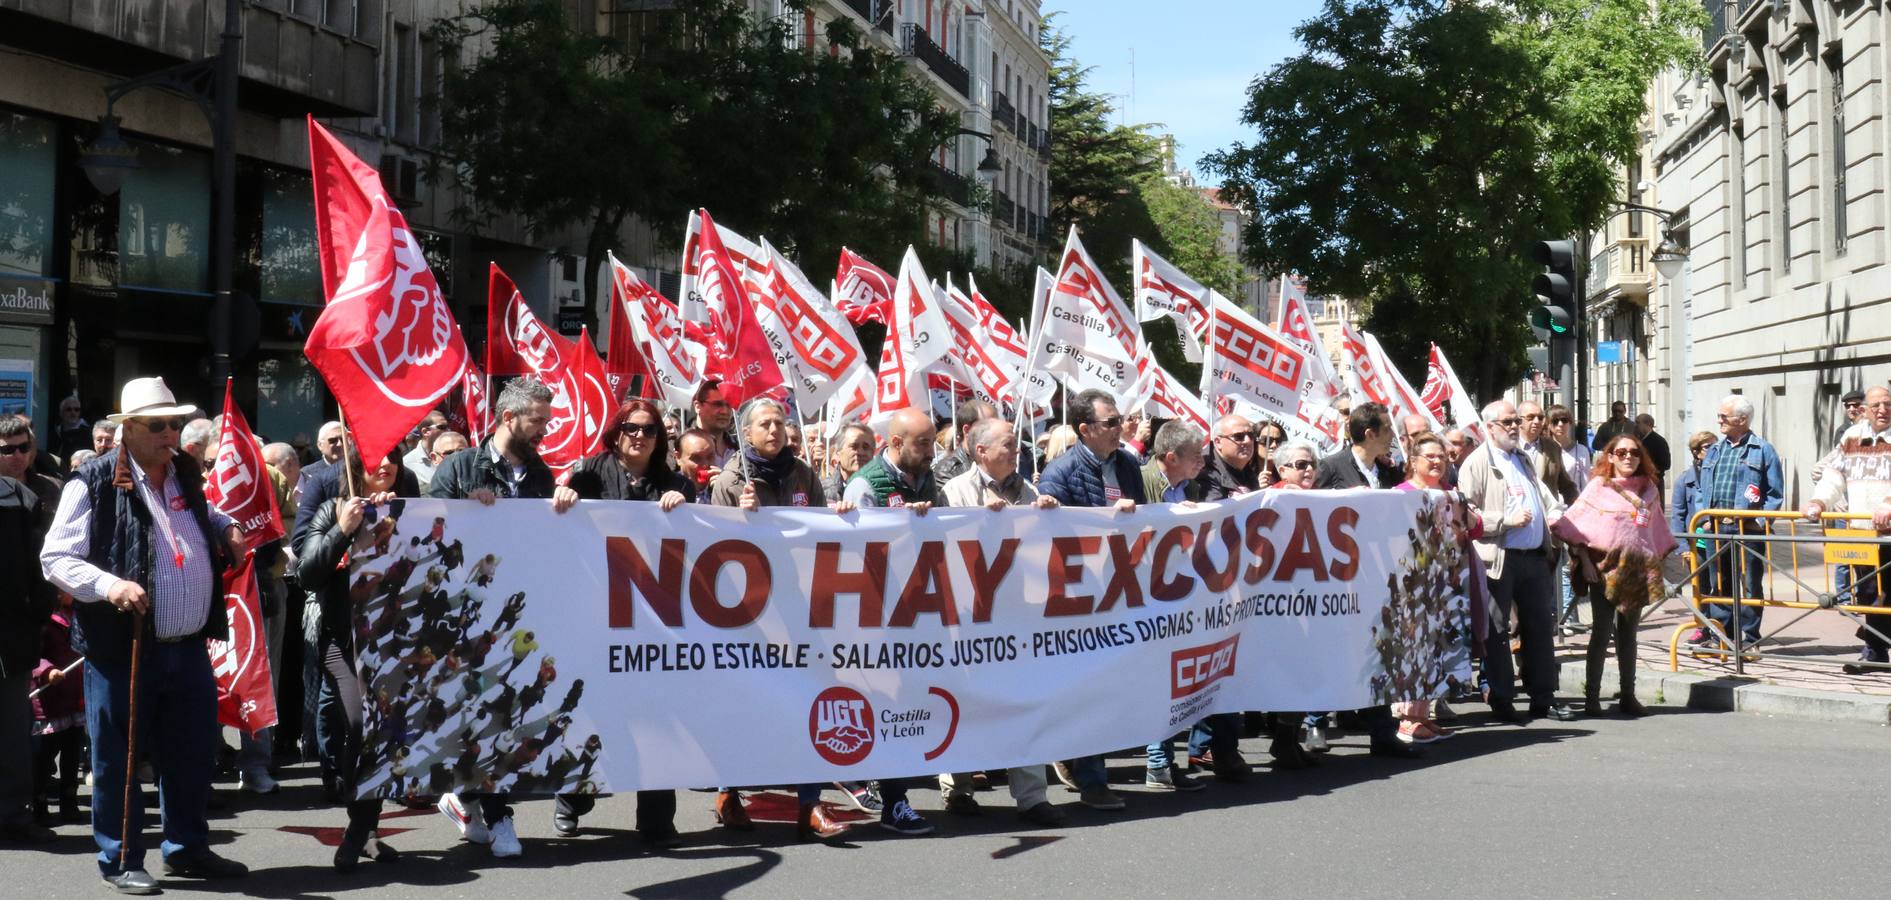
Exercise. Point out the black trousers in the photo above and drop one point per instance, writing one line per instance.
(656, 810)
(1529, 587)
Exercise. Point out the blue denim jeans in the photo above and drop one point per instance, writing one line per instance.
(177, 730)
(1089, 772)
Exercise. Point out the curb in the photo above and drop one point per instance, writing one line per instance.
(1724, 694)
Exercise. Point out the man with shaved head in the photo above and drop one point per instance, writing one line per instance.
(900, 477)
(1234, 468)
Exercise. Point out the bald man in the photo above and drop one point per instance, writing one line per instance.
(900, 477)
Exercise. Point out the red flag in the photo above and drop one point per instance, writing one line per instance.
(739, 355)
(626, 361)
(477, 409)
(245, 700)
(386, 343)
(862, 290)
(1437, 391)
(239, 482)
(524, 346)
(597, 403)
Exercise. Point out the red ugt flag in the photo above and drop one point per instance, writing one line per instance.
(739, 355)
(245, 700)
(239, 484)
(862, 290)
(626, 361)
(386, 343)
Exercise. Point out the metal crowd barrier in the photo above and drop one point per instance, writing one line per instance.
(1783, 543)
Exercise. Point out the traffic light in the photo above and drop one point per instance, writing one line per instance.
(1555, 289)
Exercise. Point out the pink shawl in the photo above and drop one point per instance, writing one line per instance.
(1618, 515)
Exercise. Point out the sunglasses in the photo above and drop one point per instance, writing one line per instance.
(1511, 422)
(1239, 437)
(1270, 440)
(10, 449)
(1111, 422)
(160, 426)
(632, 429)
(1624, 453)
(1299, 465)
(1559, 421)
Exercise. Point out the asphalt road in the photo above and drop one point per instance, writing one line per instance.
(1681, 804)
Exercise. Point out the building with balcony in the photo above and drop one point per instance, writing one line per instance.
(98, 287)
(982, 61)
(1774, 163)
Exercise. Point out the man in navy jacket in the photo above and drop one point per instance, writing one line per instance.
(1097, 472)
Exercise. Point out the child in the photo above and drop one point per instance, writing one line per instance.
(58, 715)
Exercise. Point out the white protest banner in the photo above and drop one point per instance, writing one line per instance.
(814, 345)
(977, 361)
(1165, 398)
(917, 339)
(1323, 384)
(1040, 384)
(1164, 290)
(1088, 334)
(676, 362)
(615, 647)
(1254, 362)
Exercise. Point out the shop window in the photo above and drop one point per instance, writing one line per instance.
(27, 161)
(164, 221)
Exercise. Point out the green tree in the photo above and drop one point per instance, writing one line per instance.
(702, 105)
(1094, 165)
(1410, 154)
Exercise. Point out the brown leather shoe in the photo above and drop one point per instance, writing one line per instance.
(813, 824)
(730, 814)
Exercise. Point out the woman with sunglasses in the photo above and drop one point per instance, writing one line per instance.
(1621, 535)
(1268, 436)
(635, 465)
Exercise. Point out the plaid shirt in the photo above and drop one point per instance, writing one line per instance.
(1724, 492)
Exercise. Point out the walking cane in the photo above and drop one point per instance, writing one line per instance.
(131, 740)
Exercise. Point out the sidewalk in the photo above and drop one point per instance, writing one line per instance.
(1785, 682)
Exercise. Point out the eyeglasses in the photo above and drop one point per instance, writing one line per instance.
(333, 440)
(1511, 422)
(632, 429)
(1239, 437)
(1624, 453)
(1300, 465)
(1111, 422)
(1433, 458)
(10, 449)
(160, 426)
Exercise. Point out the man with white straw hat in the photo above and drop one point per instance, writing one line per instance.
(143, 555)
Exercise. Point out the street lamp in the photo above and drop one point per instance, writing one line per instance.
(1669, 257)
(109, 160)
(989, 167)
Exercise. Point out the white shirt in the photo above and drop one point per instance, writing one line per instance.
(180, 596)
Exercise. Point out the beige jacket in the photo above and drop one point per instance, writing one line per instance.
(1482, 483)
(968, 488)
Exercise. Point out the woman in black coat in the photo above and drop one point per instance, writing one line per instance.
(634, 466)
(322, 570)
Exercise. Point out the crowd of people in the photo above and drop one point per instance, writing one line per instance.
(109, 530)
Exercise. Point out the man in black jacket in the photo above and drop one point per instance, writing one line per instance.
(506, 465)
(25, 600)
(1364, 464)
(1234, 468)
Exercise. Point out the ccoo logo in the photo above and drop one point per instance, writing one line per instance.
(840, 725)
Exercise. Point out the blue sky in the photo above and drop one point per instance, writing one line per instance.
(1193, 60)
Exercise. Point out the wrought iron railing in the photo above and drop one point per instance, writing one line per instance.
(920, 46)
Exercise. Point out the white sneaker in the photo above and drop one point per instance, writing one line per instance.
(505, 840)
(469, 820)
(1315, 740)
(258, 782)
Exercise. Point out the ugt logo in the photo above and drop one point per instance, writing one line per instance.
(840, 725)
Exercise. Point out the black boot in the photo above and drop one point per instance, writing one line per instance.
(364, 816)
